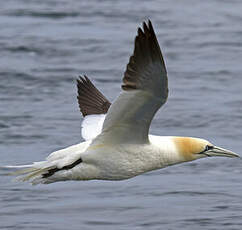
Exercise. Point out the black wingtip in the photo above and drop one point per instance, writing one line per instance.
(79, 80)
(150, 24)
(146, 51)
(140, 32)
(82, 79)
(90, 99)
(145, 27)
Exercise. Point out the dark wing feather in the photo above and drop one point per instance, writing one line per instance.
(145, 90)
(146, 60)
(90, 99)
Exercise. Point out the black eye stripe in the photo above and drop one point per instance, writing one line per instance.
(208, 147)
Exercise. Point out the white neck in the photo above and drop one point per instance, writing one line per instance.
(167, 150)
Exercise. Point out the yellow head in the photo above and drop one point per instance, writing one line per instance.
(193, 148)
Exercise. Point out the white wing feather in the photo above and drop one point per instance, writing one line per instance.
(92, 126)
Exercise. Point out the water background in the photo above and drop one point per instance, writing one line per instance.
(45, 45)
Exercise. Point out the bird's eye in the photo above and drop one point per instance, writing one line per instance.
(208, 147)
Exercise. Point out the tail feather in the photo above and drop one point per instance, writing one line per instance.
(35, 173)
(17, 166)
(32, 173)
(47, 171)
(22, 171)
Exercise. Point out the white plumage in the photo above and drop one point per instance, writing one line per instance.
(117, 145)
(92, 126)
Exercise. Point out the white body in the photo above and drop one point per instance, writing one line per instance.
(113, 162)
(117, 145)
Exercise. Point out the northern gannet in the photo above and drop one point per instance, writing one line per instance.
(117, 145)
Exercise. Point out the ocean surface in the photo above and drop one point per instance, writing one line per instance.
(46, 45)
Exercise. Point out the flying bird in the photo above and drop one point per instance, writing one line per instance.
(117, 143)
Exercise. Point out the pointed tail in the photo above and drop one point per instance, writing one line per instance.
(32, 173)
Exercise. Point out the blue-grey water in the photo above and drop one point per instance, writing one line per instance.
(45, 45)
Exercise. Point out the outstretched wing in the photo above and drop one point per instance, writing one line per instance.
(90, 99)
(145, 90)
(93, 106)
